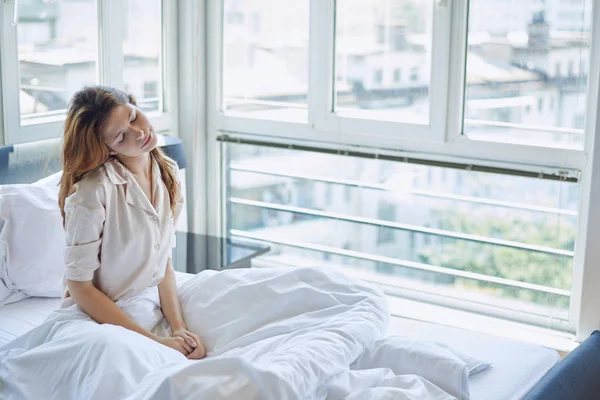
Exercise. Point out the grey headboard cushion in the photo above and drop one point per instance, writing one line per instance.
(29, 162)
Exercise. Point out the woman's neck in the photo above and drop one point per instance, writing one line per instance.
(139, 166)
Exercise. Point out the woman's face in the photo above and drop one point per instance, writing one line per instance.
(128, 132)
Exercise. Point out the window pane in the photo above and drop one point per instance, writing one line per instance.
(58, 51)
(265, 58)
(142, 51)
(527, 70)
(504, 242)
(383, 58)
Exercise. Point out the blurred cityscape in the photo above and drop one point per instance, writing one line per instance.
(58, 52)
(527, 63)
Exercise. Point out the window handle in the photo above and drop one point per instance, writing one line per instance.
(442, 3)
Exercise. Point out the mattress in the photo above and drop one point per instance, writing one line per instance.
(22, 316)
(516, 366)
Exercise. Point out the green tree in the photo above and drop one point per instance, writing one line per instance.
(505, 262)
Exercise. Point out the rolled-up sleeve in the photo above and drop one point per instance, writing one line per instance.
(85, 213)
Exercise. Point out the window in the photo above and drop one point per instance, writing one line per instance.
(265, 64)
(150, 89)
(506, 70)
(142, 53)
(414, 74)
(395, 34)
(57, 47)
(58, 53)
(479, 122)
(570, 68)
(378, 76)
(502, 241)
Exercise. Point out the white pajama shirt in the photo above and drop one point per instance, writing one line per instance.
(114, 235)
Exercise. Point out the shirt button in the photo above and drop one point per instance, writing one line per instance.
(155, 219)
(156, 247)
(154, 275)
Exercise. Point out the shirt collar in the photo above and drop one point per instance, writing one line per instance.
(116, 172)
(119, 174)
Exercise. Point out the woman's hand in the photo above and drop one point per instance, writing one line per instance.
(192, 344)
(176, 343)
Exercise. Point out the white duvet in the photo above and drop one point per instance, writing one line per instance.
(270, 334)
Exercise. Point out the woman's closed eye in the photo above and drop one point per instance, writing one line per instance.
(122, 138)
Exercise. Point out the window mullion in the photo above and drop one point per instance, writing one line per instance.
(440, 62)
(585, 312)
(111, 22)
(457, 66)
(321, 61)
(10, 74)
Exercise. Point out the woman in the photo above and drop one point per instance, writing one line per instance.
(120, 198)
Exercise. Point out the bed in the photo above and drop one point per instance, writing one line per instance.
(518, 370)
(505, 379)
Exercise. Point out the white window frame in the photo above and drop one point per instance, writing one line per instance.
(109, 68)
(444, 142)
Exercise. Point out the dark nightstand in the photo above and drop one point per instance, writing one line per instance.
(196, 252)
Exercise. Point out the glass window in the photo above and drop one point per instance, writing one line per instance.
(265, 59)
(519, 229)
(142, 52)
(58, 53)
(375, 34)
(414, 74)
(378, 77)
(510, 64)
(570, 70)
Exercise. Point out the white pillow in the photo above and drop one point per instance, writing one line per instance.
(32, 241)
(444, 367)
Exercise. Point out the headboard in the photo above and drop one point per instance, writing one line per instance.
(28, 162)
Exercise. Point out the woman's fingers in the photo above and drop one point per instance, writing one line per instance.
(184, 344)
(198, 353)
(190, 339)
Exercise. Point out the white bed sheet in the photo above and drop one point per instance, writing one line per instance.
(516, 366)
(22, 316)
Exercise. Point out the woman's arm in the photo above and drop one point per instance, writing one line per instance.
(104, 311)
(171, 307)
(169, 301)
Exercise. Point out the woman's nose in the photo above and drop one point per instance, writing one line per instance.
(141, 134)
